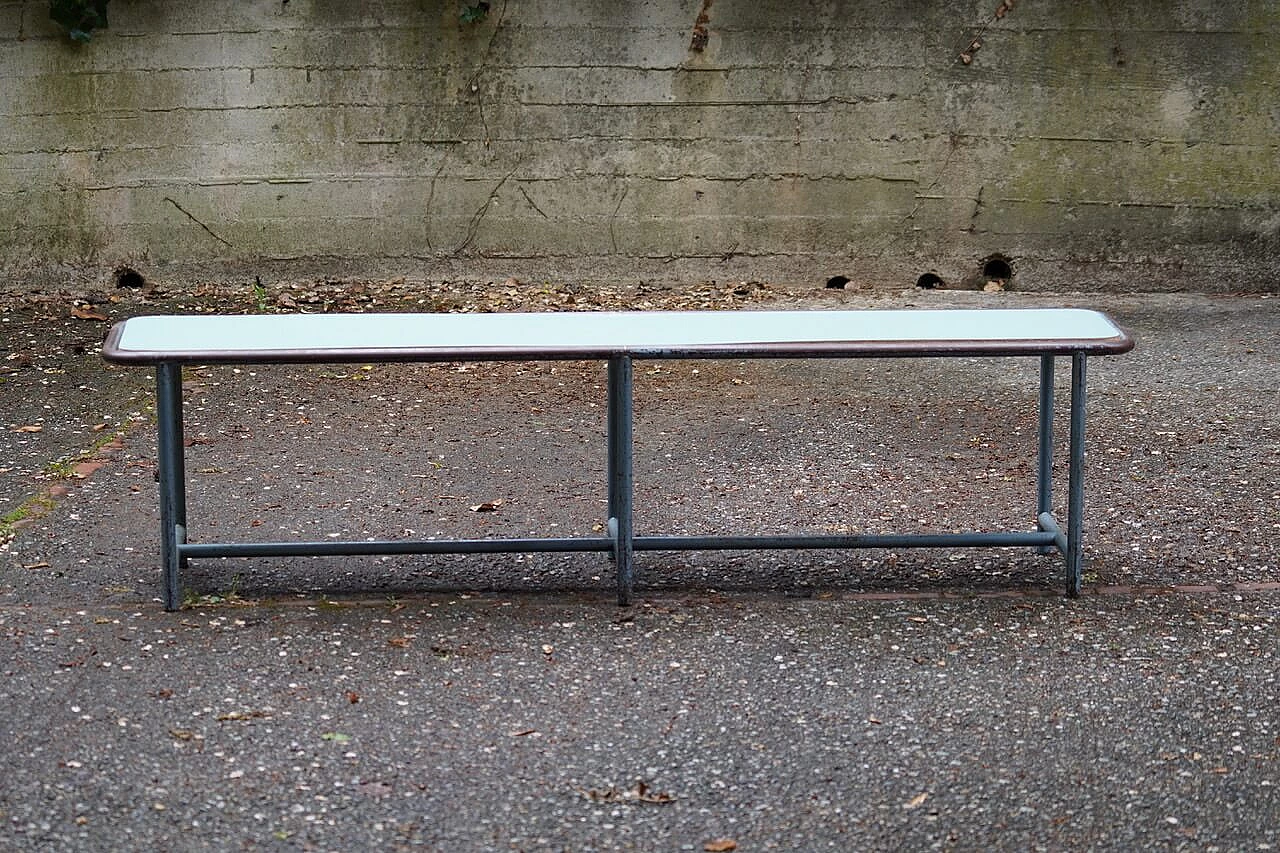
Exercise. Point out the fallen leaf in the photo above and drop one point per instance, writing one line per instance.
(487, 506)
(29, 428)
(918, 618)
(399, 642)
(376, 788)
(916, 801)
(645, 795)
(352, 697)
(720, 845)
(638, 793)
(87, 312)
(241, 716)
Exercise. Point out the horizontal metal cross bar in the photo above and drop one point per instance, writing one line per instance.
(907, 540)
(378, 548)
(592, 544)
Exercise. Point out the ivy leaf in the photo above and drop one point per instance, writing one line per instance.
(79, 17)
(474, 13)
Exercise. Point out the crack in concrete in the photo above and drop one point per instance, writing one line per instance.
(613, 236)
(531, 202)
(476, 218)
(431, 195)
(740, 102)
(473, 85)
(206, 228)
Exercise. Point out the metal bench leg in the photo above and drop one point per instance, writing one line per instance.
(621, 478)
(172, 475)
(1044, 458)
(1075, 484)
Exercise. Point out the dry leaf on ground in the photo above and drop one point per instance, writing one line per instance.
(638, 793)
(916, 801)
(87, 312)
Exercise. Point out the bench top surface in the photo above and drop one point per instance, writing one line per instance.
(647, 334)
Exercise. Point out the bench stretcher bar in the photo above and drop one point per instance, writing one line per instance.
(585, 544)
(622, 542)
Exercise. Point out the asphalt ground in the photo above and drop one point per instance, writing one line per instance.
(778, 700)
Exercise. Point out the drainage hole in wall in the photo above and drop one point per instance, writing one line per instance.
(930, 280)
(131, 278)
(837, 282)
(997, 266)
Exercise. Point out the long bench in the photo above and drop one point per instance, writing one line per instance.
(618, 338)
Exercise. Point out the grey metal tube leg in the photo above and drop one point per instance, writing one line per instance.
(1075, 483)
(1044, 457)
(621, 477)
(172, 475)
(611, 440)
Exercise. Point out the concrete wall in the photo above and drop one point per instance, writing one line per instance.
(1095, 143)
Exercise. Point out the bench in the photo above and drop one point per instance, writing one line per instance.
(618, 338)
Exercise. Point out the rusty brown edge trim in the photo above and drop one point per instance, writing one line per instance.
(808, 349)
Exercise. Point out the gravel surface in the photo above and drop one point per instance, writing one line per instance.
(492, 722)
(806, 700)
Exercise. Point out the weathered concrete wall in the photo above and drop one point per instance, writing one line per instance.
(1094, 143)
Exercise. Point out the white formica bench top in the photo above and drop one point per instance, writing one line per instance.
(646, 334)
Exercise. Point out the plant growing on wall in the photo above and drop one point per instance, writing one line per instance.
(473, 13)
(79, 17)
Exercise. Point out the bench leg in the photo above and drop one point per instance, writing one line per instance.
(621, 478)
(1045, 450)
(1075, 484)
(172, 476)
(1044, 457)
